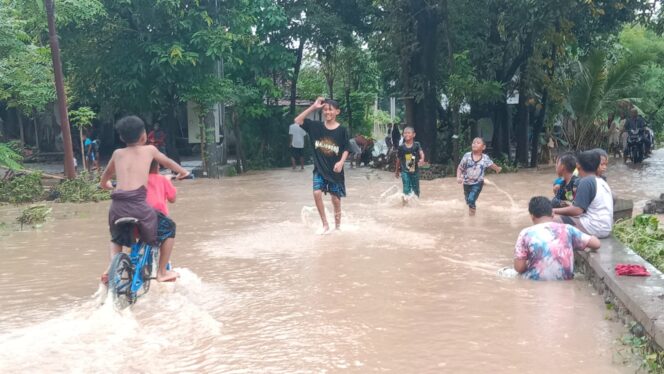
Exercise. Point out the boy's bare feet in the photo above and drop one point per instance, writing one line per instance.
(324, 230)
(471, 211)
(167, 276)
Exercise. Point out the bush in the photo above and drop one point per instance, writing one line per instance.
(507, 167)
(34, 215)
(15, 145)
(643, 235)
(10, 158)
(80, 190)
(24, 188)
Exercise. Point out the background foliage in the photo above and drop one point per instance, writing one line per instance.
(571, 62)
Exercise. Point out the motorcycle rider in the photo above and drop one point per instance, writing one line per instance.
(635, 121)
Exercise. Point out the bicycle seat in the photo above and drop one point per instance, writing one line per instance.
(125, 220)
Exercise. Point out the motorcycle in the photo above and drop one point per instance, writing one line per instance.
(649, 141)
(635, 145)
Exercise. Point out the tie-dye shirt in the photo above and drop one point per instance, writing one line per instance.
(549, 250)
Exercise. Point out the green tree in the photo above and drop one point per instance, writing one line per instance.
(649, 94)
(599, 85)
(205, 95)
(26, 75)
(407, 46)
(81, 118)
(605, 81)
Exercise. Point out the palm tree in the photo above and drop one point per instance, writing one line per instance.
(599, 84)
(9, 159)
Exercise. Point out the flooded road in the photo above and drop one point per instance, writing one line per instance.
(400, 289)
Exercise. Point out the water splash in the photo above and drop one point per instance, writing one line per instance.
(509, 197)
(390, 191)
(508, 272)
(393, 197)
(82, 337)
(309, 216)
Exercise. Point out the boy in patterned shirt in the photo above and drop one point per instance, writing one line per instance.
(545, 251)
(471, 172)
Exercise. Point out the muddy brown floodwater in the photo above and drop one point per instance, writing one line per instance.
(408, 289)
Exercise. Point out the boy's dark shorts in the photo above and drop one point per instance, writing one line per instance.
(320, 183)
(296, 152)
(165, 227)
(123, 236)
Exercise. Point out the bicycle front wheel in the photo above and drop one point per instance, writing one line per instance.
(119, 280)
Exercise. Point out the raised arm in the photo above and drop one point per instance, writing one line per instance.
(314, 107)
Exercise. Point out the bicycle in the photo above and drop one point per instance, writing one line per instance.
(130, 274)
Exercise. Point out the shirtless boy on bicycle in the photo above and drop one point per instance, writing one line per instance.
(131, 166)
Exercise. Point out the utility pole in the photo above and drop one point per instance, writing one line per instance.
(70, 172)
(221, 107)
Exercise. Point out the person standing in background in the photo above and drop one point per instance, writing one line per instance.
(296, 144)
(157, 137)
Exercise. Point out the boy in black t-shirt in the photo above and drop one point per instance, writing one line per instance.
(409, 157)
(564, 188)
(330, 143)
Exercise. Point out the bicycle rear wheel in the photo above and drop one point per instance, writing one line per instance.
(147, 272)
(119, 280)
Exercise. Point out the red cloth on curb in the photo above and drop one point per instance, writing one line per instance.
(633, 270)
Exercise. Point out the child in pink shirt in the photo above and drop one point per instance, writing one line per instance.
(160, 190)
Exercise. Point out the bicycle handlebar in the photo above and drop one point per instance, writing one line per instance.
(190, 176)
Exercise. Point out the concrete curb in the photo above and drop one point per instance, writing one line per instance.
(640, 299)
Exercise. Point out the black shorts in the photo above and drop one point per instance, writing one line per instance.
(165, 227)
(122, 234)
(296, 152)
